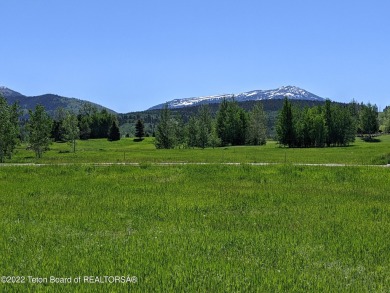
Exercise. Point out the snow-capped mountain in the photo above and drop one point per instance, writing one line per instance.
(291, 92)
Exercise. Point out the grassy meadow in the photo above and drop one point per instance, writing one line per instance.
(198, 228)
(128, 151)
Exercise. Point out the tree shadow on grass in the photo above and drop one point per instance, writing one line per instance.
(64, 152)
(29, 157)
(371, 139)
(138, 139)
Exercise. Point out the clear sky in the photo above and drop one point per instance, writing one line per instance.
(130, 55)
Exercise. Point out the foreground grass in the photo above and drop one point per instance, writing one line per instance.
(212, 228)
(126, 150)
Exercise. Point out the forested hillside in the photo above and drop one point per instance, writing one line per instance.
(151, 117)
(51, 102)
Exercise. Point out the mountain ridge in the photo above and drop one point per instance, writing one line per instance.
(292, 92)
(51, 102)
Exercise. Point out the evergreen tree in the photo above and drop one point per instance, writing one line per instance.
(85, 115)
(241, 126)
(215, 141)
(204, 126)
(257, 132)
(104, 122)
(369, 124)
(385, 121)
(9, 129)
(58, 131)
(180, 132)
(94, 124)
(165, 133)
(232, 123)
(301, 127)
(344, 126)
(39, 127)
(386, 124)
(285, 126)
(353, 109)
(222, 122)
(84, 126)
(329, 127)
(192, 132)
(114, 133)
(139, 129)
(311, 126)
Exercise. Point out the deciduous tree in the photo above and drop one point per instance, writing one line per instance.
(9, 129)
(369, 120)
(39, 127)
(257, 132)
(71, 129)
(385, 120)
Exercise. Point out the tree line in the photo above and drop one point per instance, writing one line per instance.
(40, 129)
(90, 122)
(384, 120)
(327, 125)
(231, 126)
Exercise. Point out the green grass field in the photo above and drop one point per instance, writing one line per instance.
(197, 228)
(126, 150)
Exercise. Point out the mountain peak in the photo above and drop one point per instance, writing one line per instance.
(7, 93)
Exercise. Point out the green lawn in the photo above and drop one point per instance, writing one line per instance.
(126, 150)
(197, 228)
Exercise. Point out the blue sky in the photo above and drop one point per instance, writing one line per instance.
(131, 55)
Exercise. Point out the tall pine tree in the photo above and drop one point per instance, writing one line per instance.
(114, 133)
(232, 123)
(222, 118)
(285, 126)
(192, 132)
(166, 130)
(204, 126)
(139, 129)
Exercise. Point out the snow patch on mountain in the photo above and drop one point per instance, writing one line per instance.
(291, 92)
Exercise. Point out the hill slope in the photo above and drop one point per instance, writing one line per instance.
(49, 101)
